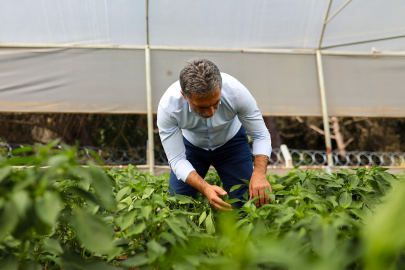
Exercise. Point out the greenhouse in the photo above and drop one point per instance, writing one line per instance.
(324, 58)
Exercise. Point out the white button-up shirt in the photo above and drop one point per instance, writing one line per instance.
(175, 119)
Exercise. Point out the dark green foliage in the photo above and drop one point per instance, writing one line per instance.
(78, 217)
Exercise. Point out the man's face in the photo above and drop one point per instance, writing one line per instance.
(205, 106)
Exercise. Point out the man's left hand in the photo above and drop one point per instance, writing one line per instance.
(257, 187)
(258, 182)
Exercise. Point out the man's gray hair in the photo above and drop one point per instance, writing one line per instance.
(200, 77)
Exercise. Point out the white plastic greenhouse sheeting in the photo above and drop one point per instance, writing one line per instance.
(113, 80)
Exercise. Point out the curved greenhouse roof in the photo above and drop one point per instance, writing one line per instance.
(92, 56)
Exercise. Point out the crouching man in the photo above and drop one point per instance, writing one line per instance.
(203, 119)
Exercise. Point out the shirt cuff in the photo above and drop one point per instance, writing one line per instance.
(262, 147)
(182, 169)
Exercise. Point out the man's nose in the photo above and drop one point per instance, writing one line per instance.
(210, 111)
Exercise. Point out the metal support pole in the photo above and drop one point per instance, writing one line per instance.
(337, 11)
(151, 145)
(287, 155)
(324, 24)
(325, 116)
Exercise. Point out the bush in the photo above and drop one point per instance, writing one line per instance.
(75, 217)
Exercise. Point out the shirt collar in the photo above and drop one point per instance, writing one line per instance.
(191, 110)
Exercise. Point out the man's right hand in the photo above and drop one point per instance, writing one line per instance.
(210, 191)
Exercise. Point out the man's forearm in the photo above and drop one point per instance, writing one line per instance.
(261, 164)
(196, 181)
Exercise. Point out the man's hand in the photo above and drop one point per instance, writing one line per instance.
(258, 182)
(257, 187)
(211, 192)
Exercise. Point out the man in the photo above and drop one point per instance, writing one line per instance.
(202, 120)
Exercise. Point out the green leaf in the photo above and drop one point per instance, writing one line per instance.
(183, 198)
(366, 189)
(8, 262)
(247, 182)
(301, 175)
(146, 210)
(179, 212)
(315, 197)
(375, 186)
(291, 198)
(84, 184)
(52, 246)
(158, 199)
(325, 176)
(125, 202)
(175, 228)
(24, 149)
(234, 200)
(22, 161)
(95, 235)
(277, 187)
(155, 250)
(340, 181)
(147, 192)
(202, 218)
(387, 177)
(137, 229)
(248, 203)
(47, 207)
(39, 226)
(127, 219)
(336, 185)
(34, 266)
(360, 213)
(74, 262)
(121, 193)
(209, 224)
(122, 241)
(90, 197)
(8, 219)
(102, 185)
(4, 172)
(369, 200)
(345, 199)
(235, 187)
(356, 204)
(135, 261)
(241, 222)
(324, 240)
(22, 201)
(310, 185)
(168, 237)
(353, 181)
(284, 192)
(382, 188)
(332, 199)
(58, 160)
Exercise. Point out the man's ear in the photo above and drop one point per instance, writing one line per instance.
(184, 96)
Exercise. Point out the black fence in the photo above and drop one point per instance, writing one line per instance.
(137, 156)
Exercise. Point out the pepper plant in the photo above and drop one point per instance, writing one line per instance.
(55, 213)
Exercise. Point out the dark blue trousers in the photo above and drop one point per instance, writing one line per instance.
(233, 161)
